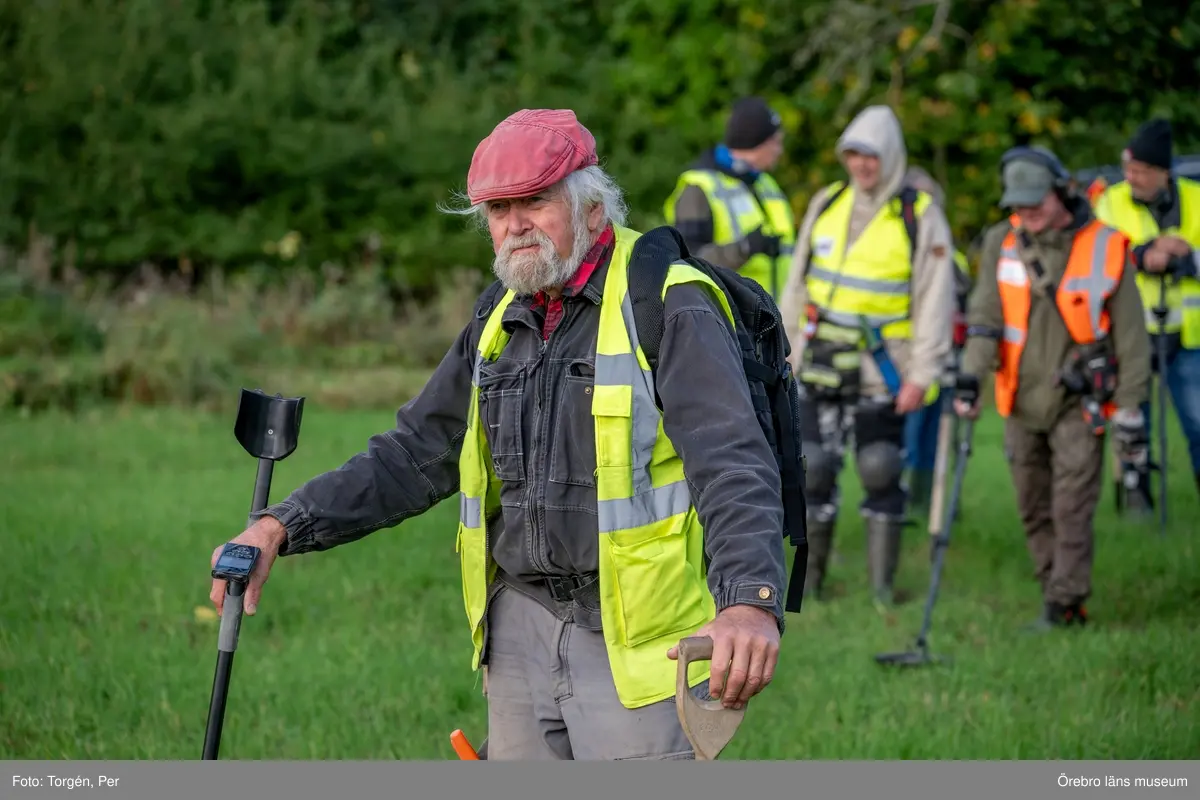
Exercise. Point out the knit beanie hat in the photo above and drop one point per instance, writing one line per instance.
(1151, 144)
(751, 122)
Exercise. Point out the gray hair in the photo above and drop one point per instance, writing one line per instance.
(584, 189)
(920, 179)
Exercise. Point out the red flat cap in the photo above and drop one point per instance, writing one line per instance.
(529, 151)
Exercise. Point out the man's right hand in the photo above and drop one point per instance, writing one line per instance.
(966, 396)
(268, 535)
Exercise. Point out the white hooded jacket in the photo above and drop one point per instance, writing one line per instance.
(920, 361)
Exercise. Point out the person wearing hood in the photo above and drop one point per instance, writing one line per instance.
(872, 271)
(1160, 213)
(1054, 313)
(729, 209)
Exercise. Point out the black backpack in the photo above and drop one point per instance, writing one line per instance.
(765, 348)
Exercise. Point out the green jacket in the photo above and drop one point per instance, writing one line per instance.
(1040, 402)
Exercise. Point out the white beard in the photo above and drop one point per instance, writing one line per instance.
(528, 273)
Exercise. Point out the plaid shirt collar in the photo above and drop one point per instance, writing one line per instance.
(594, 258)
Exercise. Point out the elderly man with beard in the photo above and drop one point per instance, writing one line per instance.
(595, 531)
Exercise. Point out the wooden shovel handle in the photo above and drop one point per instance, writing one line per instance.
(708, 725)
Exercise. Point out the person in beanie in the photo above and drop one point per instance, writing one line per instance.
(1055, 312)
(1160, 213)
(727, 206)
(595, 531)
(869, 308)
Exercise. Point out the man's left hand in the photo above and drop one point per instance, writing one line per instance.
(910, 398)
(1131, 439)
(1173, 245)
(745, 651)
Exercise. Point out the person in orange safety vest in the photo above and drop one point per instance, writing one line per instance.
(1056, 314)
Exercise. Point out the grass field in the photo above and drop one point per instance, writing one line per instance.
(361, 653)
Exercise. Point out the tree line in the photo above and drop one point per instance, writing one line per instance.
(286, 134)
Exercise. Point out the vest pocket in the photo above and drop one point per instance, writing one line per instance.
(501, 395)
(573, 457)
(660, 589)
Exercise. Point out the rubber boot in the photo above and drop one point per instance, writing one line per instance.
(883, 556)
(820, 544)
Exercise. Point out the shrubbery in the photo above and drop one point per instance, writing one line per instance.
(343, 343)
(271, 139)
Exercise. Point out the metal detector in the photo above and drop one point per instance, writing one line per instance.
(267, 428)
(918, 654)
(1160, 312)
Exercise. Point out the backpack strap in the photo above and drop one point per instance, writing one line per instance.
(829, 200)
(908, 212)
(647, 274)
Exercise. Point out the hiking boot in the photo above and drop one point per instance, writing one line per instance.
(883, 556)
(1057, 615)
(820, 544)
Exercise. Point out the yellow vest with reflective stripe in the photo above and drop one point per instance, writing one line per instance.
(872, 279)
(1117, 208)
(736, 212)
(652, 577)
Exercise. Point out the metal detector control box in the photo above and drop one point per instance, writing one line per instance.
(236, 562)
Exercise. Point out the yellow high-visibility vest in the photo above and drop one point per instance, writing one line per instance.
(964, 266)
(736, 212)
(652, 577)
(1116, 207)
(872, 278)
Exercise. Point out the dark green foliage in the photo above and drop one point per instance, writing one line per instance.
(190, 133)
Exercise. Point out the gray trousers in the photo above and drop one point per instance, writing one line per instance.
(551, 695)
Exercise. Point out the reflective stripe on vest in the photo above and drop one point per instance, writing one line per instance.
(1092, 274)
(1116, 207)
(872, 279)
(652, 580)
(736, 212)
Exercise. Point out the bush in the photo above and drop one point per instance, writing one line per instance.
(196, 134)
(343, 340)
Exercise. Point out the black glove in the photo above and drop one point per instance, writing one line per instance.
(1183, 266)
(966, 389)
(758, 242)
(1130, 437)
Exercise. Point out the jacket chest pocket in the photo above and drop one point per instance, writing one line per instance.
(573, 454)
(501, 400)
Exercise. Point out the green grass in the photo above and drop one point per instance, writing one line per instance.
(109, 520)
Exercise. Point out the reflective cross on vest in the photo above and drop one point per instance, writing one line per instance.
(1098, 284)
(1093, 271)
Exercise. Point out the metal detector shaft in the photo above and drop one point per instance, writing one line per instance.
(231, 623)
(942, 542)
(1161, 347)
(267, 428)
(262, 485)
